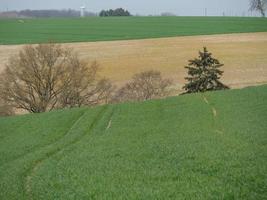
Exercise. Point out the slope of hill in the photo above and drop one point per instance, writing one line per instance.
(118, 28)
(204, 146)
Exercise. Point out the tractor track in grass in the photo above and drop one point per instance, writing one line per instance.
(105, 129)
(110, 116)
(44, 146)
(36, 165)
(214, 113)
(109, 124)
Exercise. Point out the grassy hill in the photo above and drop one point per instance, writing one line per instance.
(204, 146)
(121, 28)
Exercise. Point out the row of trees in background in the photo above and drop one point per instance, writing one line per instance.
(116, 12)
(46, 13)
(47, 77)
(63, 13)
(54, 13)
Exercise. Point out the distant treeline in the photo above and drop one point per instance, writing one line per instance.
(70, 13)
(116, 12)
(45, 13)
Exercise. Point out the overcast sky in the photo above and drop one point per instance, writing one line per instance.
(143, 7)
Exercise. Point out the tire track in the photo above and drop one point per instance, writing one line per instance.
(214, 113)
(109, 124)
(110, 119)
(43, 146)
(36, 165)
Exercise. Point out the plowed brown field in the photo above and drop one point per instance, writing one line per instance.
(244, 56)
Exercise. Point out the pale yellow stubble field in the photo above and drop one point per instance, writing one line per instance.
(244, 56)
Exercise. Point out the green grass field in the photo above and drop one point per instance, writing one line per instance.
(121, 28)
(204, 146)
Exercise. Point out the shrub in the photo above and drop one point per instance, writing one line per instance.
(144, 86)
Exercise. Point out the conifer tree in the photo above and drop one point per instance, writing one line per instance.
(204, 74)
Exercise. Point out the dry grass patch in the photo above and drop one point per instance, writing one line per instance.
(244, 56)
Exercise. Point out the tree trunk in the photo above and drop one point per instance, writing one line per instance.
(262, 13)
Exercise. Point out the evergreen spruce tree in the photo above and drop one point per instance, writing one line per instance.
(204, 74)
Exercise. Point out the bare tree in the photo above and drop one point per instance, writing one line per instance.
(5, 109)
(84, 87)
(144, 86)
(40, 77)
(258, 5)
